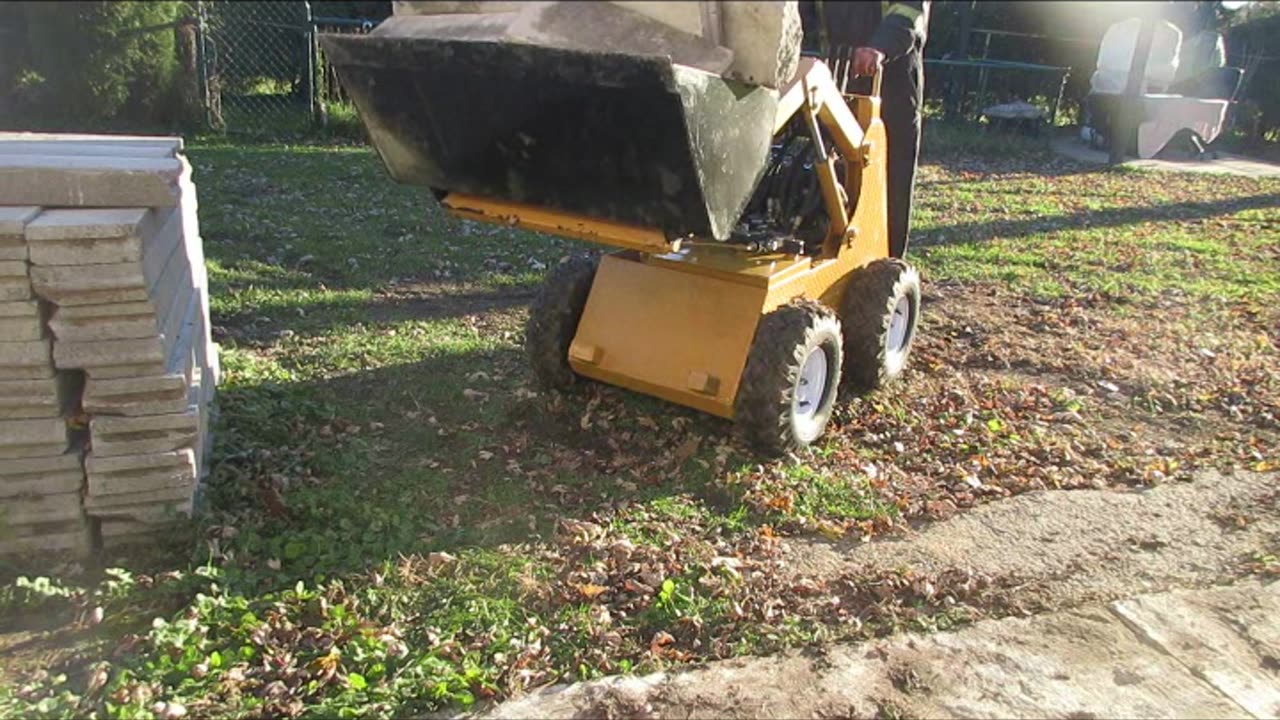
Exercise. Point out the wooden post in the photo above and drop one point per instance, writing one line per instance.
(1130, 110)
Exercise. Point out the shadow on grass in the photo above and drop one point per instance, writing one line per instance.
(268, 322)
(971, 232)
(339, 475)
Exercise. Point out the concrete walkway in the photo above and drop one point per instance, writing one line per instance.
(1205, 653)
(1226, 164)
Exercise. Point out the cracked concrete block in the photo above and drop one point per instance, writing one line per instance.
(88, 181)
(139, 474)
(113, 436)
(13, 223)
(90, 236)
(151, 395)
(32, 438)
(30, 360)
(40, 509)
(42, 476)
(42, 398)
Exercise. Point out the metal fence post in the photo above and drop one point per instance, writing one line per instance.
(312, 95)
(202, 64)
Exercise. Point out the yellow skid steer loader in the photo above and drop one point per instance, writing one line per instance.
(750, 276)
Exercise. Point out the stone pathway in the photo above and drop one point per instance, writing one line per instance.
(1225, 164)
(1206, 653)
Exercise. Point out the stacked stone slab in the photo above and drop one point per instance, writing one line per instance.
(40, 465)
(116, 315)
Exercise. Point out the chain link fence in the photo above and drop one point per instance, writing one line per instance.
(263, 72)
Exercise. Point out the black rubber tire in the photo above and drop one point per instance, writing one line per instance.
(868, 304)
(763, 410)
(553, 321)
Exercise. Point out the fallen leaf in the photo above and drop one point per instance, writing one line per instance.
(590, 591)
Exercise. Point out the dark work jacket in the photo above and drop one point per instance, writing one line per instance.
(897, 29)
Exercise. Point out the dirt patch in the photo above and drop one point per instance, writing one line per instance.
(1076, 547)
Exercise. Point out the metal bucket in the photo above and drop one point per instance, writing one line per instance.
(630, 138)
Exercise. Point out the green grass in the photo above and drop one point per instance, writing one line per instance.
(397, 523)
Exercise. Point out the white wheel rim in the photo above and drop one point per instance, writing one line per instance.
(811, 386)
(899, 325)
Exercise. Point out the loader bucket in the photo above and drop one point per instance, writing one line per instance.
(630, 138)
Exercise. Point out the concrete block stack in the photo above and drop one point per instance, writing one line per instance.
(40, 461)
(108, 298)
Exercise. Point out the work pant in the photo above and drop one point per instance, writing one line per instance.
(902, 92)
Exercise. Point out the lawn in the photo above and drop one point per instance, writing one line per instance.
(399, 523)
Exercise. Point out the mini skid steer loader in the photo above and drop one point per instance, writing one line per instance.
(749, 276)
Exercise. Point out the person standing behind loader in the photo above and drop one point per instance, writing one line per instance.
(888, 35)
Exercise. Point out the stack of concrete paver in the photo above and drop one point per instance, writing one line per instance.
(118, 324)
(40, 462)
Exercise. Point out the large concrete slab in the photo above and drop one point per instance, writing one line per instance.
(88, 181)
(108, 353)
(15, 288)
(91, 236)
(134, 474)
(1190, 653)
(40, 509)
(76, 285)
(42, 398)
(42, 476)
(28, 360)
(21, 321)
(113, 436)
(125, 519)
(13, 223)
(121, 282)
(753, 42)
(1226, 638)
(123, 143)
(20, 309)
(89, 148)
(59, 539)
(153, 395)
(159, 315)
(134, 503)
(32, 438)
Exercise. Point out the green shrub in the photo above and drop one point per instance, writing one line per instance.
(101, 62)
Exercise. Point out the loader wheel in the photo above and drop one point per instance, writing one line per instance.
(788, 388)
(553, 321)
(881, 308)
